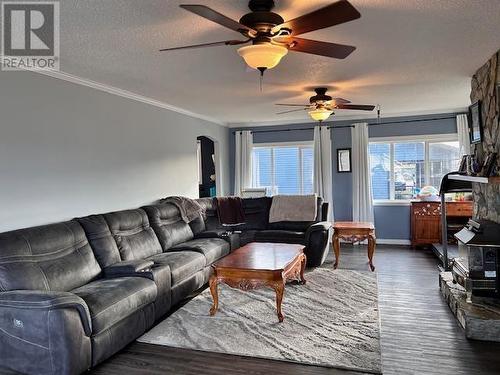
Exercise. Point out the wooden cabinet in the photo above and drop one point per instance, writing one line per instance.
(425, 223)
(426, 220)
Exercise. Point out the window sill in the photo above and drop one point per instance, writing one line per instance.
(389, 202)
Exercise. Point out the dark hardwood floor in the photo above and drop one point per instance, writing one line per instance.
(419, 335)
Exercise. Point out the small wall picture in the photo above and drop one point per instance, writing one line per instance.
(344, 160)
(475, 124)
(489, 165)
(463, 165)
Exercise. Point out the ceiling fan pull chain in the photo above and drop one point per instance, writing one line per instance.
(378, 113)
(261, 70)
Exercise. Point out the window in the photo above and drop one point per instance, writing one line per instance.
(401, 167)
(283, 168)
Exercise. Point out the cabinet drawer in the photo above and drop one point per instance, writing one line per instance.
(459, 209)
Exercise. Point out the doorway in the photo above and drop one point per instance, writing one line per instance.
(207, 179)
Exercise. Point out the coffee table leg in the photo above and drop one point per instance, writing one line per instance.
(371, 250)
(279, 287)
(215, 295)
(303, 268)
(336, 249)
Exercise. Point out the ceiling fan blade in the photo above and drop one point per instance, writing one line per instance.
(294, 105)
(315, 47)
(341, 101)
(356, 106)
(213, 44)
(212, 15)
(292, 110)
(331, 15)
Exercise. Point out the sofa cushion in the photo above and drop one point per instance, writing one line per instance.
(111, 300)
(133, 235)
(54, 257)
(198, 225)
(208, 208)
(285, 236)
(183, 264)
(168, 225)
(209, 214)
(101, 239)
(299, 226)
(256, 213)
(211, 248)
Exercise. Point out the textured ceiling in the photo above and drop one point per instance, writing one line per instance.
(413, 56)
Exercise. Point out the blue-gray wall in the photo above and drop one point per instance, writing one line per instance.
(392, 222)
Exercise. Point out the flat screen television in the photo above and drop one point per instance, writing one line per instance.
(475, 123)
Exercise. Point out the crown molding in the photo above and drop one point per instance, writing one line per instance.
(156, 103)
(124, 94)
(344, 118)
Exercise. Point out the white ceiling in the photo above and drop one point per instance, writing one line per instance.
(413, 56)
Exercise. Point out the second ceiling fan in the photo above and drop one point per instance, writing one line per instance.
(272, 37)
(321, 106)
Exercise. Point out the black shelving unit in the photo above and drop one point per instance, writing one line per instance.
(444, 251)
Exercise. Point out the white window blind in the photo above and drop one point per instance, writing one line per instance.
(283, 169)
(400, 168)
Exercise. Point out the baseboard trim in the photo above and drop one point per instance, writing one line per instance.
(384, 241)
(387, 241)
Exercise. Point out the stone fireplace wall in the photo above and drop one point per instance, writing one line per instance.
(484, 88)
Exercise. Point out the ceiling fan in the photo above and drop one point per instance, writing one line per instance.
(321, 106)
(272, 37)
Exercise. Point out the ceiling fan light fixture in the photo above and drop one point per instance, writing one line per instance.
(266, 55)
(320, 114)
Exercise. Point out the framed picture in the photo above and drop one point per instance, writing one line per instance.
(344, 160)
(489, 165)
(475, 123)
(463, 165)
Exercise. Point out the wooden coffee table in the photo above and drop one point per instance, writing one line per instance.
(258, 265)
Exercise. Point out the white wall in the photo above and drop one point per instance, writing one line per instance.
(67, 150)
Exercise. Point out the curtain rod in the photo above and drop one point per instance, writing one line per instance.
(351, 126)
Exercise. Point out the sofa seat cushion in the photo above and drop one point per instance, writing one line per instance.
(112, 300)
(285, 236)
(292, 226)
(183, 264)
(212, 248)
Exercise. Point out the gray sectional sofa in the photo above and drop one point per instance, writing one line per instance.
(74, 293)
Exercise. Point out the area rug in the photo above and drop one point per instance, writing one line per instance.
(332, 321)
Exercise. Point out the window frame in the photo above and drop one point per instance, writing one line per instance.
(427, 139)
(300, 145)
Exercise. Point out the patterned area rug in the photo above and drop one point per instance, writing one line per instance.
(332, 321)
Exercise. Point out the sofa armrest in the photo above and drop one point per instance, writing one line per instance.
(44, 332)
(318, 237)
(324, 211)
(38, 301)
(317, 227)
(128, 268)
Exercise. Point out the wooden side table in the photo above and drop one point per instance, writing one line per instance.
(353, 231)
